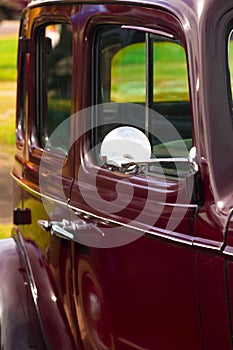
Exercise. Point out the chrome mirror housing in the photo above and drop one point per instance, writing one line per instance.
(126, 151)
(125, 142)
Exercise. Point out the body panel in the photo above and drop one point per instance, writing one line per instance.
(140, 307)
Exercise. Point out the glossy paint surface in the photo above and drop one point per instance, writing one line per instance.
(19, 326)
(141, 301)
(168, 289)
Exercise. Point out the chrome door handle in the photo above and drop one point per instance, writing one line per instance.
(59, 229)
(74, 230)
(62, 229)
(60, 232)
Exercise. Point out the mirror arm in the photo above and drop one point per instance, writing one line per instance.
(156, 160)
(134, 168)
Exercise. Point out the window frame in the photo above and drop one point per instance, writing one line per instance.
(149, 79)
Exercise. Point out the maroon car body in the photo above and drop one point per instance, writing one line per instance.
(78, 272)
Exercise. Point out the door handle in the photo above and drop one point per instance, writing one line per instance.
(71, 230)
(61, 229)
(60, 232)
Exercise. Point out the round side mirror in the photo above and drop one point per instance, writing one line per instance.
(126, 151)
(125, 145)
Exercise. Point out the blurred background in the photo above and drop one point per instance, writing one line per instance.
(9, 25)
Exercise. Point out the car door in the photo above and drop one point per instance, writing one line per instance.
(134, 264)
(214, 220)
(42, 164)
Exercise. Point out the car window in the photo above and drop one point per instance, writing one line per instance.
(21, 91)
(150, 71)
(54, 73)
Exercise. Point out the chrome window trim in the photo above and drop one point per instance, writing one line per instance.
(187, 240)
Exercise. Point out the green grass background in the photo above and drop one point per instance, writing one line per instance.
(8, 74)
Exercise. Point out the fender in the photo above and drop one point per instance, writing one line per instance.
(31, 312)
(19, 326)
(46, 299)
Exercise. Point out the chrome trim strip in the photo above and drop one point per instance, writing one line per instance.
(188, 206)
(186, 240)
(151, 31)
(228, 251)
(207, 244)
(165, 234)
(33, 3)
(190, 241)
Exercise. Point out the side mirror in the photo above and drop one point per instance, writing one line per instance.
(126, 151)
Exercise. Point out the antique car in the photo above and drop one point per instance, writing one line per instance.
(123, 192)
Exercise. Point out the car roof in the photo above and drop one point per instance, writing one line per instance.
(198, 4)
(211, 8)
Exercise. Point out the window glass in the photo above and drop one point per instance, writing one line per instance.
(126, 86)
(21, 92)
(54, 79)
(149, 70)
(128, 73)
(170, 72)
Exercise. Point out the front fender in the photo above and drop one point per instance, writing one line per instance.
(19, 326)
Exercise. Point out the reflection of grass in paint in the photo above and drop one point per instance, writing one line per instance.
(33, 231)
(128, 73)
